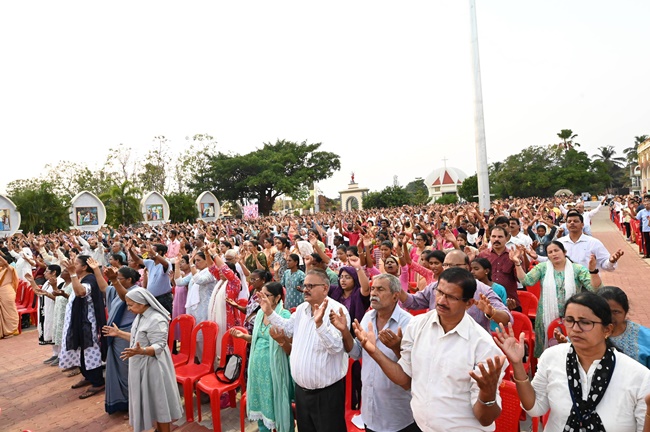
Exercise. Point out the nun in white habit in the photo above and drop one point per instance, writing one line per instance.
(153, 394)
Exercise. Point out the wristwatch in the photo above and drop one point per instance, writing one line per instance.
(594, 272)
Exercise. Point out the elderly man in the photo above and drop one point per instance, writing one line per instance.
(319, 362)
(486, 306)
(386, 406)
(450, 363)
(94, 248)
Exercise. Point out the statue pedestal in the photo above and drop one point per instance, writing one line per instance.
(352, 197)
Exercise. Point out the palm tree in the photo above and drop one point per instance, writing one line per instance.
(122, 204)
(606, 156)
(630, 153)
(567, 136)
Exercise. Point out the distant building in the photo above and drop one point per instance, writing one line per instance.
(444, 181)
(644, 165)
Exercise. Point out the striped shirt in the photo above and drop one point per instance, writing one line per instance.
(318, 358)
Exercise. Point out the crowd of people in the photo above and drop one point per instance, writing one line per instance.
(421, 299)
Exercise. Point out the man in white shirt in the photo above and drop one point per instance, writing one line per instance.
(94, 248)
(579, 246)
(386, 406)
(449, 362)
(318, 359)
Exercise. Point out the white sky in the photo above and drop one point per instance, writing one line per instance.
(386, 85)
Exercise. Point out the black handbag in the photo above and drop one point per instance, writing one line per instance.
(232, 369)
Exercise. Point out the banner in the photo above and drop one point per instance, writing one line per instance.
(250, 211)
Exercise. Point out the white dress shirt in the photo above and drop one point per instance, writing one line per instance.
(622, 408)
(439, 364)
(23, 266)
(97, 254)
(318, 358)
(386, 406)
(580, 251)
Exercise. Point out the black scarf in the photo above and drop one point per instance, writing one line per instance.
(79, 334)
(583, 412)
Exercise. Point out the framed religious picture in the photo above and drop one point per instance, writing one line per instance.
(86, 216)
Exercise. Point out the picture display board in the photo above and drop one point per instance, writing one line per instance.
(208, 206)
(154, 208)
(9, 217)
(87, 212)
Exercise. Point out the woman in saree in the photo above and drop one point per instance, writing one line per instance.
(154, 400)
(117, 370)
(8, 286)
(269, 388)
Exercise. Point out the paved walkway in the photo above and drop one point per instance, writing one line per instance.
(37, 397)
(632, 273)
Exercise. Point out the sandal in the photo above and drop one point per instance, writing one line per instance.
(82, 383)
(91, 392)
(73, 373)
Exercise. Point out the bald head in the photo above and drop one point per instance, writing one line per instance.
(456, 258)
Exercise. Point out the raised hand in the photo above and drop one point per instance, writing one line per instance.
(237, 333)
(390, 339)
(130, 352)
(366, 338)
(231, 302)
(488, 380)
(354, 261)
(485, 306)
(93, 264)
(559, 337)
(338, 320)
(319, 313)
(514, 255)
(616, 256)
(112, 331)
(593, 264)
(265, 304)
(278, 335)
(513, 349)
(110, 274)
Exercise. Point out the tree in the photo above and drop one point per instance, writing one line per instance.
(418, 192)
(567, 136)
(391, 196)
(266, 173)
(122, 204)
(189, 163)
(469, 189)
(447, 199)
(154, 174)
(606, 156)
(182, 207)
(41, 209)
(631, 154)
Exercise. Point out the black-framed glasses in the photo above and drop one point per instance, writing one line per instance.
(309, 287)
(449, 297)
(584, 324)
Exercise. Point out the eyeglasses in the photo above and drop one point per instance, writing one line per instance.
(449, 297)
(453, 265)
(309, 287)
(584, 324)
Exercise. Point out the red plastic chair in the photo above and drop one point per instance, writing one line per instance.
(551, 329)
(536, 289)
(508, 420)
(415, 312)
(528, 303)
(242, 412)
(187, 375)
(185, 323)
(27, 307)
(349, 413)
(522, 324)
(214, 388)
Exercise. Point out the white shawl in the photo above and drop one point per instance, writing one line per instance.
(549, 292)
(217, 311)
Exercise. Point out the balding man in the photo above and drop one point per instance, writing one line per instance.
(486, 306)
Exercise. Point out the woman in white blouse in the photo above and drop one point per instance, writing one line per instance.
(586, 384)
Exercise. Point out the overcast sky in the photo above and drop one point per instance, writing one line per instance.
(386, 85)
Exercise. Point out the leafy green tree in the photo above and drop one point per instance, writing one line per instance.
(201, 147)
(41, 209)
(122, 204)
(607, 156)
(631, 154)
(418, 192)
(182, 207)
(266, 173)
(153, 176)
(391, 196)
(447, 199)
(469, 189)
